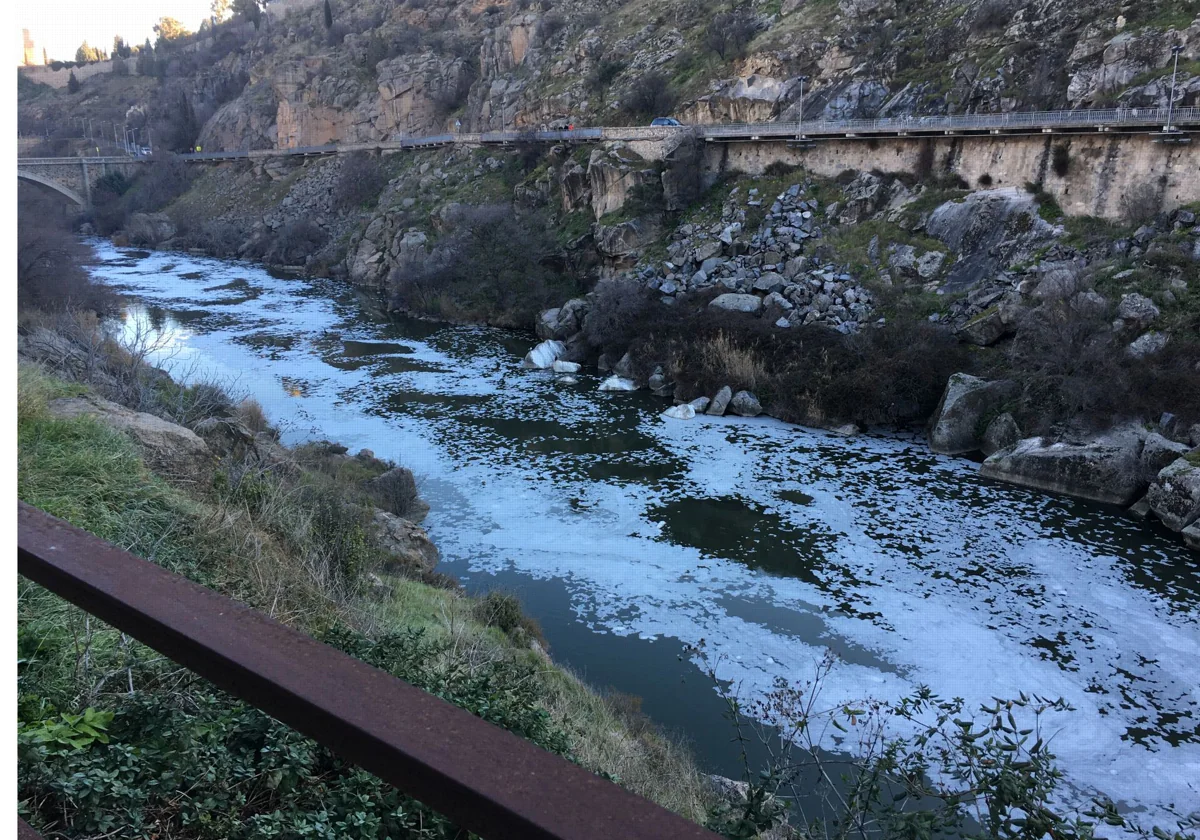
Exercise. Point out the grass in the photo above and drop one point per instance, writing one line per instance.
(255, 540)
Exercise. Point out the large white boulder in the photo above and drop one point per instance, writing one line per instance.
(1104, 470)
(544, 355)
(683, 411)
(561, 366)
(618, 383)
(734, 302)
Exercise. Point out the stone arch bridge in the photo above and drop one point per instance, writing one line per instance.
(73, 178)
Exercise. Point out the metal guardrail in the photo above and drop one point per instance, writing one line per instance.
(1102, 119)
(482, 777)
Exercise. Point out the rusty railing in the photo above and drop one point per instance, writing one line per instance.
(482, 777)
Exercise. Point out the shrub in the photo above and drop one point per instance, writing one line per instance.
(494, 266)
(502, 610)
(985, 180)
(617, 308)
(650, 95)
(1140, 205)
(360, 180)
(50, 273)
(1060, 159)
(250, 413)
(294, 243)
(728, 33)
(992, 15)
(550, 25)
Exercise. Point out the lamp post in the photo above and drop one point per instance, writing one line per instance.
(1175, 50)
(800, 127)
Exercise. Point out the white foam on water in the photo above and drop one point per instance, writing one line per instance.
(951, 579)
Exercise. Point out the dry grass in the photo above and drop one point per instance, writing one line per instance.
(739, 366)
(251, 414)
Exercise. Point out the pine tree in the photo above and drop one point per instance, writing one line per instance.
(328, 15)
(72, 83)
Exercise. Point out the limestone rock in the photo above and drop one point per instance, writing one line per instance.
(618, 383)
(149, 229)
(700, 404)
(560, 366)
(1001, 433)
(745, 404)
(543, 355)
(720, 402)
(736, 302)
(407, 543)
(1158, 453)
(1105, 470)
(175, 452)
(1175, 494)
(965, 402)
(1137, 309)
(683, 411)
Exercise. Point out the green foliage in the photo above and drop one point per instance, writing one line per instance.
(69, 732)
(72, 83)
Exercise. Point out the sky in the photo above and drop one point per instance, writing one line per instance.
(62, 25)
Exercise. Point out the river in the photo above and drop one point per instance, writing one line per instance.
(629, 536)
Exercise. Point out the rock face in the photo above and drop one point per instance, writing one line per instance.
(1157, 453)
(225, 437)
(1001, 433)
(1175, 494)
(170, 450)
(1106, 470)
(149, 229)
(965, 403)
(543, 355)
(407, 542)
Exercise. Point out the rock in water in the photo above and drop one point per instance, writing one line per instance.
(567, 379)
(700, 404)
(680, 412)
(1001, 433)
(1175, 495)
(565, 367)
(720, 402)
(965, 402)
(618, 383)
(544, 355)
(745, 404)
(1106, 470)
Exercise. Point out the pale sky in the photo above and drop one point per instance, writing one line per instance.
(62, 25)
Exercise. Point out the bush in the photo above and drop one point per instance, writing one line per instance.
(617, 309)
(502, 610)
(360, 180)
(1060, 159)
(294, 243)
(992, 15)
(50, 273)
(550, 25)
(650, 95)
(494, 266)
(728, 33)
(985, 180)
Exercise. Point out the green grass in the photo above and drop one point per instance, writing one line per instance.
(245, 540)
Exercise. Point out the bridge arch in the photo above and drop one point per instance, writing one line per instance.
(54, 185)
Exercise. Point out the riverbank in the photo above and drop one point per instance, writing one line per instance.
(311, 535)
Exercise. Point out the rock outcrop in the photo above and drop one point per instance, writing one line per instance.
(407, 543)
(966, 402)
(175, 452)
(1104, 470)
(1174, 497)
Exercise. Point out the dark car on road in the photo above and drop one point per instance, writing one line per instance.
(665, 121)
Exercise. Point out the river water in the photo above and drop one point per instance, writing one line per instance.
(629, 536)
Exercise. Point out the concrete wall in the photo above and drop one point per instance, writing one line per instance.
(1102, 167)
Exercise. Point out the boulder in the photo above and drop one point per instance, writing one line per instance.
(618, 383)
(563, 322)
(1137, 309)
(1191, 534)
(770, 281)
(966, 401)
(560, 366)
(684, 411)
(719, 402)
(1175, 494)
(700, 404)
(567, 379)
(1147, 344)
(986, 328)
(175, 452)
(1001, 433)
(735, 302)
(543, 355)
(1159, 452)
(225, 437)
(407, 543)
(1104, 470)
(396, 492)
(745, 404)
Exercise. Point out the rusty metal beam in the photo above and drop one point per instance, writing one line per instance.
(480, 776)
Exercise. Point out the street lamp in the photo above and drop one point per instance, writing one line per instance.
(1175, 50)
(800, 127)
